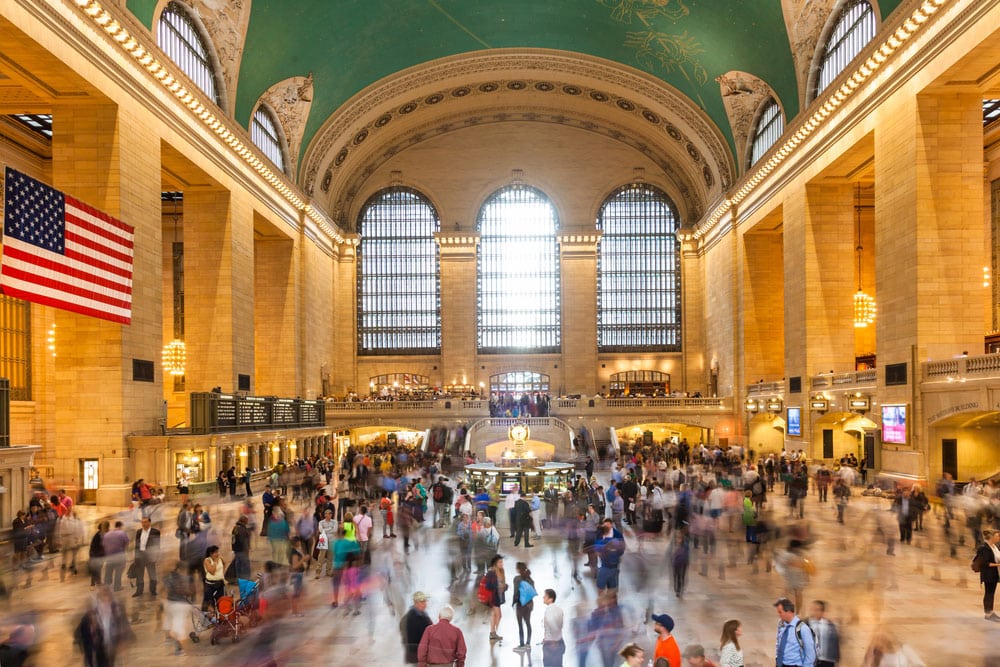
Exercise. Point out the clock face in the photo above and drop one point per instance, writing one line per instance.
(518, 432)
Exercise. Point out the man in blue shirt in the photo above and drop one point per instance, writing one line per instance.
(795, 644)
(609, 547)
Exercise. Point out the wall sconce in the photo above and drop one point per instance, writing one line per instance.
(819, 403)
(858, 402)
(752, 405)
(51, 339)
(774, 405)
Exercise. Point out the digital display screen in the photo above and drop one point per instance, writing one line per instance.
(508, 483)
(794, 421)
(894, 424)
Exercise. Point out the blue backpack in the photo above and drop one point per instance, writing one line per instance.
(525, 592)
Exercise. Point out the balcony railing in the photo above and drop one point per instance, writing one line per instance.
(764, 388)
(216, 413)
(336, 407)
(598, 403)
(851, 379)
(982, 366)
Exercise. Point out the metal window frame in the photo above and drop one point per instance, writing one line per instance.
(770, 127)
(264, 134)
(398, 275)
(181, 39)
(497, 329)
(519, 382)
(854, 28)
(638, 272)
(15, 346)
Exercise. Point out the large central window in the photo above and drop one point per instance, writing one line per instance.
(518, 272)
(638, 273)
(399, 289)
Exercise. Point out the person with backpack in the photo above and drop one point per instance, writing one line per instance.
(795, 642)
(441, 493)
(524, 596)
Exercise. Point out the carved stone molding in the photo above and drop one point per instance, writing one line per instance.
(290, 100)
(612, 88)
(226, 22)
(804, 21)
(673, 157)
(742, 95)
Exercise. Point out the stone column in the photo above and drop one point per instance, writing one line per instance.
(219, 289)
(458, 307)
(345, 321)
(276, 318)
(578, 264)
(928, 187)
(104, 156)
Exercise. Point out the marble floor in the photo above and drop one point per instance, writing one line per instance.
(922, 596)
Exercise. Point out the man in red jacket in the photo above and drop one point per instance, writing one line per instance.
(442, 644)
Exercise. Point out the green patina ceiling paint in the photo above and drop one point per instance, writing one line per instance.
(349, 44)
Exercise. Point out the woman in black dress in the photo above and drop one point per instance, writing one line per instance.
(988, 560)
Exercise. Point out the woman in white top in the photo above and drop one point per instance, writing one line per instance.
(732, 654)
(215, 577)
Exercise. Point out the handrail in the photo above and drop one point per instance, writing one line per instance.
(765, 388)
(983, 365)
(405, 406)
(852, 378)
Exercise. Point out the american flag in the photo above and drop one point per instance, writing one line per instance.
(60, 252)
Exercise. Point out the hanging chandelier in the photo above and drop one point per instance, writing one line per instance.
(174, 357)
(864, 304)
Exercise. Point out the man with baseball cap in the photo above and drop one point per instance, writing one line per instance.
(412, 626)
(666, 645)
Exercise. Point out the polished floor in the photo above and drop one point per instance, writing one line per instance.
(925, 598)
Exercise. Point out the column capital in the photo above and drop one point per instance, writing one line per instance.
(579, 244)
(457, 243)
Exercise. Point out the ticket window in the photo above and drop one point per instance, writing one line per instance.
(192, 464)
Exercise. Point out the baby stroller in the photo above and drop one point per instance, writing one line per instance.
(249, 604)
(227, 620)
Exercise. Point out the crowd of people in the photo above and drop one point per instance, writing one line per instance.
(329, 526)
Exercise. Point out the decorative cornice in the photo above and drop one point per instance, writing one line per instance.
(686, 189)
(137, 46)
(909, 27)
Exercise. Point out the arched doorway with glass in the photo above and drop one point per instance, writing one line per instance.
(519, 394)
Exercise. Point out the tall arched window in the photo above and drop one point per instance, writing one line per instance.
(770, 126)
(180, 38)
(399, 289)
(266, 136)
(853, 27)
(518, 272)
(638, 272)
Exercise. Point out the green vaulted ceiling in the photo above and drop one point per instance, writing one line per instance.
(349, 44)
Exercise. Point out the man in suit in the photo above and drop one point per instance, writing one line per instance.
(147, 550)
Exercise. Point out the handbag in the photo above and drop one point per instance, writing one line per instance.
(133, 571)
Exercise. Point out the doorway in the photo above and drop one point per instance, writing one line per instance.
(949, 456)
(89, 474)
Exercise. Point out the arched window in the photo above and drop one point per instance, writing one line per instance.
(639, 383)
(638, 272)
(179, 37)
(852, 29)
(518, 261)
(399, 290)
(770, 126)
(265, 135)
(519, 382)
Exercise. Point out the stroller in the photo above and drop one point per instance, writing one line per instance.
(249, 605)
